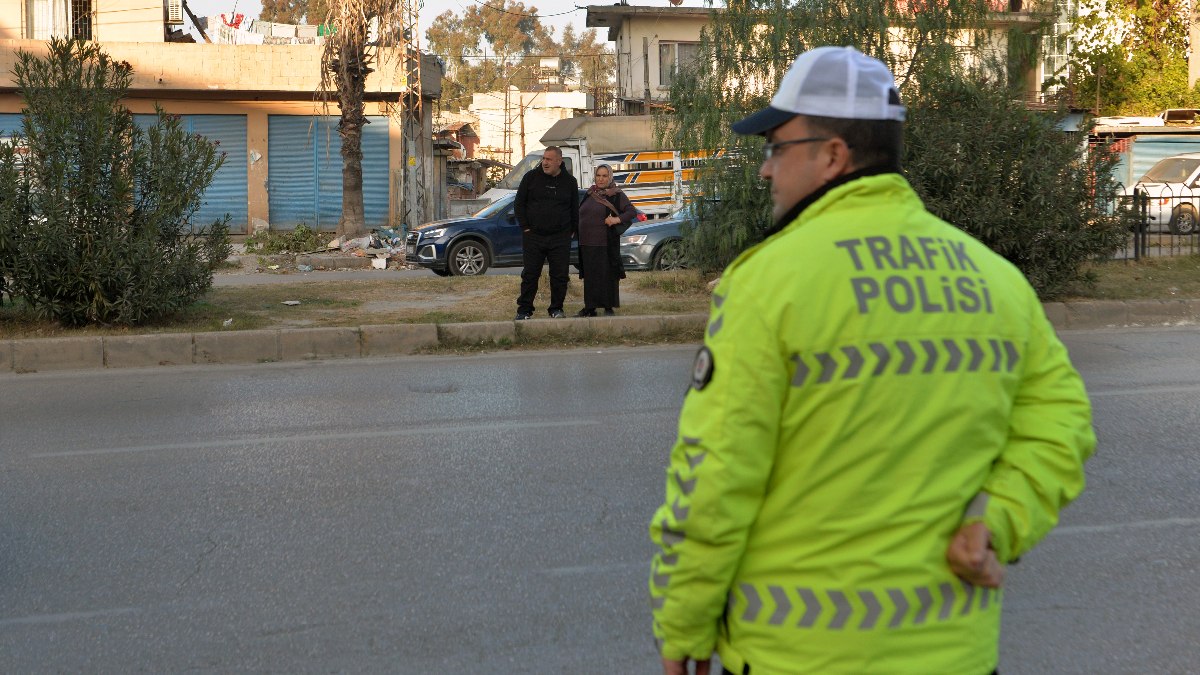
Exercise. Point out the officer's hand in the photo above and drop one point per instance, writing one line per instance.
(971, 556)
(680, 667)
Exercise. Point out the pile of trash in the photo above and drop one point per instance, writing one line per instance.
(381, 245)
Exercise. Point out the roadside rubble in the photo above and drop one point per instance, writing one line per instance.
(382, 249)
(381, 246)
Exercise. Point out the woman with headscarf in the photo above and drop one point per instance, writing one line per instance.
(604, 215)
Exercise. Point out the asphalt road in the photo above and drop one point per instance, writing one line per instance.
(488, 514)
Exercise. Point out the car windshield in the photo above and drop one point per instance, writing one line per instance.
(512, 180)
(1171, 170)
(496, 206)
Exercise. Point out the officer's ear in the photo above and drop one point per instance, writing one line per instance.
(837, 159)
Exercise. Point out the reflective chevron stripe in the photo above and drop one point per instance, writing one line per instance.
(679, 511)
(753, 603)
(923, 357)
(715, 326)
(926, 599)
(670, 537)
(900, 602)
(812, 608)
(782, 605)
(685, 486)
(660, 580)
(860, 609)
(874, 609)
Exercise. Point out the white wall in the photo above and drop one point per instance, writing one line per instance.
(531, 112)
(637, 46)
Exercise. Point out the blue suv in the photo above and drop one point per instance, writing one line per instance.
(469, 246)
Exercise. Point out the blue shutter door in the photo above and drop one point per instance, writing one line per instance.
(291, 176)
(228, 192)
(10, 123)
(305, 172)
(1149, 148)
(375, 171)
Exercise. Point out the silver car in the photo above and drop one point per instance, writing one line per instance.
(656, 244)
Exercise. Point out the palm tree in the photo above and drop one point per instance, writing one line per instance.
(362, 33)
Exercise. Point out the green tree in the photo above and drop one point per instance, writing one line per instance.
(491, 46)
(1014, 179)
(746, 49)
(95, 211)
(283, 11)
(582, 55)
(1134, 52)
(314, 12)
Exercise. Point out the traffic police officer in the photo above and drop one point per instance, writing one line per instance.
(880, 418)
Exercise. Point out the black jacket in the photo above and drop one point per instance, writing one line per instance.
(548, 205)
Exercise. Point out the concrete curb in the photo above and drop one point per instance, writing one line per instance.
(1122, 313)
(300, 344)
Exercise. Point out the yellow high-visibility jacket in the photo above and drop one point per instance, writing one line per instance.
(869, 373)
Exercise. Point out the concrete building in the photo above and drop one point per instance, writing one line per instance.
(283, 164)
(511, 121)
(651, 42)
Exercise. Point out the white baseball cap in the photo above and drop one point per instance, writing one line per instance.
(839, 82)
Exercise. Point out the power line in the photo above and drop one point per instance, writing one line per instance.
(525, 15)
(517, 57)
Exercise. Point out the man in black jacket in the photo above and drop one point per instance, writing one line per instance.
(547, 207)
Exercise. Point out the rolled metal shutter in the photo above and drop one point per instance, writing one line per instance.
(228, 192)
(305, 171)
(1148, 149)
(10, 123)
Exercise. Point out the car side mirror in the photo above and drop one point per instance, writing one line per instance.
(511, 216)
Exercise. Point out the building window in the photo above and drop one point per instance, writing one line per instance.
(45, 19)
(81, 19)
(1057, 47)
(672, 56)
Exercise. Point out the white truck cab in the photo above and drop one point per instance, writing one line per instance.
(657, 181)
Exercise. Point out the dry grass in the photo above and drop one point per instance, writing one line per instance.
(1148, 278)
(493, 298)
(368, 301)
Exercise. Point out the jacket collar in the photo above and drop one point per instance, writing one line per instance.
(794, 212)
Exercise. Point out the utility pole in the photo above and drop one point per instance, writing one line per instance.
(646, 74)
(413, 138)
(507, 120)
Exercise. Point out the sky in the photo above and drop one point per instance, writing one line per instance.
(556, 13)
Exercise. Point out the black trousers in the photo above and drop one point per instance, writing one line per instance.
(537, 250)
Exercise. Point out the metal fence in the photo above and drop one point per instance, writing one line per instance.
(1164, 221)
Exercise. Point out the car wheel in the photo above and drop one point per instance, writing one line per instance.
(468, 259)
(669, 256)
(1183, 220)
(441, 273)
